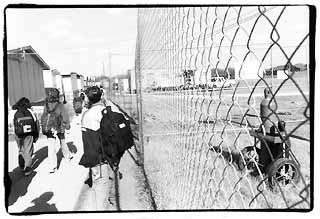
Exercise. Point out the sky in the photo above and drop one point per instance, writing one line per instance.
(77, 40)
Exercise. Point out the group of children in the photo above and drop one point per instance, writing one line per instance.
(54, 122)
(105, 135)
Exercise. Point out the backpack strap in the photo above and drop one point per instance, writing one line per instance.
(104, 155)
(33, 115)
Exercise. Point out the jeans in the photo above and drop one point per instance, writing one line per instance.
(25, 146)
(102, 185)
(52, 150)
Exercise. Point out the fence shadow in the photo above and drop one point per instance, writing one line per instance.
(146, 181)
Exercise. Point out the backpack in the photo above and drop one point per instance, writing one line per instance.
(51, 118)
(116, 135)
(24, 123)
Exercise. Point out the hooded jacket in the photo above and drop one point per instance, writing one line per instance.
(54, 117)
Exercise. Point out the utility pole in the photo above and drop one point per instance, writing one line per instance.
(110, 83)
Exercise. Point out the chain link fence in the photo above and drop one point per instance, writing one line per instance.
(223, 106)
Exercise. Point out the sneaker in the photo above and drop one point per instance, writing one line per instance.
(27, 171)
(21, 161)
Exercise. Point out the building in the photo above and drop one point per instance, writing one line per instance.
(25, 75)
(73, 84)
(52, 78)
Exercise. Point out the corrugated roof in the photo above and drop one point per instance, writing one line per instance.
(30, 50)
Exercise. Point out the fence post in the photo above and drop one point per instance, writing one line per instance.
(139, 92)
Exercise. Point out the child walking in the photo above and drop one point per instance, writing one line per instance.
(26, 127)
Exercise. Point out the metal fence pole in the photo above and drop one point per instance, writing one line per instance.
(139, 91)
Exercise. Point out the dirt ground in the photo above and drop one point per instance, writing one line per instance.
(185, 174)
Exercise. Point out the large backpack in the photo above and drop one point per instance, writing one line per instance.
(24, 123)
(116, 135)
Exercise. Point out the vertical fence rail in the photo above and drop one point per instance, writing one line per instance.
(213, 86)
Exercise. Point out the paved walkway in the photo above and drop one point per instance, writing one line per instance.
(65, 190)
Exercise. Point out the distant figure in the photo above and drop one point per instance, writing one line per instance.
(26, 127)
(54, 122)
(82, 95)
(77, 105)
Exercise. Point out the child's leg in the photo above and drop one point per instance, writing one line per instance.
(64, 147)
(27, 149)
(20, 157)
(52, 153)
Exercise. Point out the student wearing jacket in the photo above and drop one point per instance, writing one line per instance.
(54, 122)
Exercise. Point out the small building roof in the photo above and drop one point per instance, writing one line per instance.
(32, 52)
(65, 75)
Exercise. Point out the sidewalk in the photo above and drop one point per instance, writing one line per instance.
(64, 190)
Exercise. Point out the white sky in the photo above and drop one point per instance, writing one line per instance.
(76, 40)
(79, 40)
(18, 40)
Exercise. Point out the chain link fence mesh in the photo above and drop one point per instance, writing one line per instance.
(214, 83)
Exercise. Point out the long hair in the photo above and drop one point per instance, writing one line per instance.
(22, 103)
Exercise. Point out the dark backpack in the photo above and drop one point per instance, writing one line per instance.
(24, 124)
(116, 135)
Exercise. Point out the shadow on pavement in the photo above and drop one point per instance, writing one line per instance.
(72, 148)
(19, 188)
(41, 204)
(39, 156)
(59, 158)
(19, 182)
